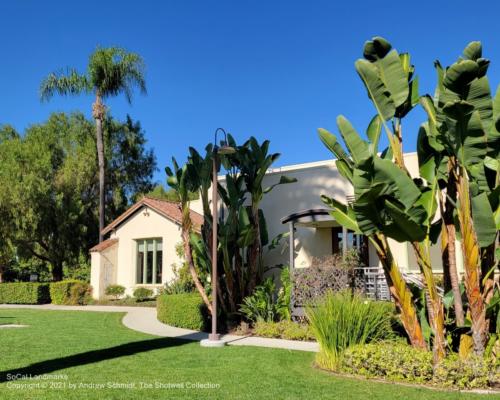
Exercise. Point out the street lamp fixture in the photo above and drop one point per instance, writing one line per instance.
(214, 338)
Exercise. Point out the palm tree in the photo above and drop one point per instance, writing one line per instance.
(110, 72)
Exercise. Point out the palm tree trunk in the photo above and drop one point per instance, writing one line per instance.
(399, 291)
(98, 111)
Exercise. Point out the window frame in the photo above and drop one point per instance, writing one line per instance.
(145, 241)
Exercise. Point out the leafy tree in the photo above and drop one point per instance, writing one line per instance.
(160, 193)
(110, 72)
(49, 211)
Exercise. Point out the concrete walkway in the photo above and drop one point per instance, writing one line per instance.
(143, 319)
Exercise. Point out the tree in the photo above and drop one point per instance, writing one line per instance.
(159, 192)
(110, 72)
(47, 177)
(49, 212)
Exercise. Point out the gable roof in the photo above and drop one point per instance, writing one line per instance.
(168, 209)
(103, 245)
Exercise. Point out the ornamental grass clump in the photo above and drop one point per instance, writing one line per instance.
(343, 319)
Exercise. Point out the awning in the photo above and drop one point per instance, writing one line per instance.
(313, 217)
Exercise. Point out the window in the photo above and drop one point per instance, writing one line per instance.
(149, 261)
(354, 241)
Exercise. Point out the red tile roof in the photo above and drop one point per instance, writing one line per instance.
(168, 209)
(104, 245)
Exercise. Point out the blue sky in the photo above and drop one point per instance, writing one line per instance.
(277, 70)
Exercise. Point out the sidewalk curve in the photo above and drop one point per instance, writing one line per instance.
(143, 319)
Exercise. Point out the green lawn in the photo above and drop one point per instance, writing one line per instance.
(93, 348)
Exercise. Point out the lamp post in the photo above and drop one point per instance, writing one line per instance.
(214, 338)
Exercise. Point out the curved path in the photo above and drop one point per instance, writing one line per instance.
(143, 319)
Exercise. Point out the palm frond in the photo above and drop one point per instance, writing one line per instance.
(68, 83)
(113, 70)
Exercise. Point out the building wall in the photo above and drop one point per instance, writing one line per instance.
(314, 180)
(103, 271)
(144, 225)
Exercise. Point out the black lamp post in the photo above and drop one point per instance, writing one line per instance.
(214, 337)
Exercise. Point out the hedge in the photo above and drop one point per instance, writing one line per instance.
(184, 310)
(71, 292)
(285, 329)
(400, 362)
(24, 293)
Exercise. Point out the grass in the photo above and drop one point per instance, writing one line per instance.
(94, 348)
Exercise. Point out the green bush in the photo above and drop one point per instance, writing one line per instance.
(70, 292)
(344, 319)
(80, 293)
(115, 290)
(185, 310)
(391, 360)
(265, 304)
(24, 293)
(475, 372)
(142, 293)
(401, 362)
(284, 330)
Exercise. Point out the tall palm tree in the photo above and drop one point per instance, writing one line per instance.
(110, 72)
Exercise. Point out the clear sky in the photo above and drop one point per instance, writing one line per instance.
(272, 69)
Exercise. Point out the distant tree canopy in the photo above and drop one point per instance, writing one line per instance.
(159, 192)
(49, 205)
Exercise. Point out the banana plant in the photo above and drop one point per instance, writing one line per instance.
(182, 181)
(252, 161)
(437, 168)
(463, 125)
(362, 154)
(241, 227)
(392, 87)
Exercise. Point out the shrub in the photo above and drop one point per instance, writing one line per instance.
(185, 310)
(142, 293)
(267, 305)
(24, 293)
(284, 330)
(344, 319)
(115, 290)
(401, 362)
(283, 303)
(80, 293)
(391, 360)
(260, 306)
(70, 292)
(182, 281)
(474, 372)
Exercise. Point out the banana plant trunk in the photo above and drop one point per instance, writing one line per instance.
(98, 111)
(189, 259)
(255, 253)
(448, 244)
(399, 291)
(472, 265)
(435, 305)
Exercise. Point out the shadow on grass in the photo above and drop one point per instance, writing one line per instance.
(94, 356)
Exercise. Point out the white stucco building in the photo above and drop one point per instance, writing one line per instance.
(140, 250)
